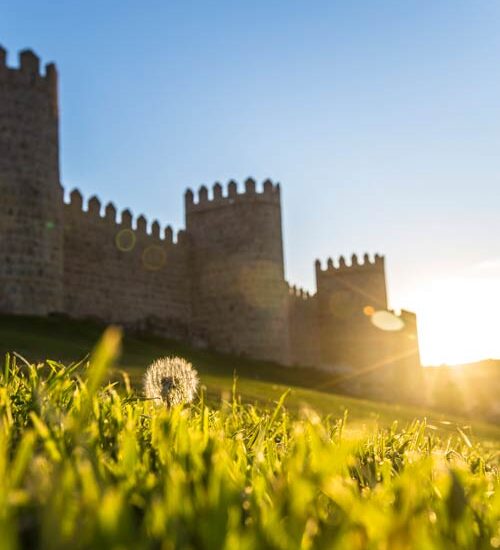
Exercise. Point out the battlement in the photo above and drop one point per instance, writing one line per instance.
(28, 71)
(270, 193)
(141, 228)
(28, 75)
(303, 326)
(341, 266)
(296, 292)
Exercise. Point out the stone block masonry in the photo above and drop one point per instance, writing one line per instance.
(239, 291)
(219, 284)
(31, 257)
(123, 274)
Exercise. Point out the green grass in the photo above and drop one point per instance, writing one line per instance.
(258, 382)
(83, 465)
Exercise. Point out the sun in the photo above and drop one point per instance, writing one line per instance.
(458, 319)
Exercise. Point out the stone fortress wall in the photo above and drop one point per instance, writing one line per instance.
(239, 291)
(220, 284)
(344, 293)
(31, 246)
(122, 273)
(303, 326)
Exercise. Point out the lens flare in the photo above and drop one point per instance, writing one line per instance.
(385, 320)
(154, 258)
(368, 311)
(125, 240)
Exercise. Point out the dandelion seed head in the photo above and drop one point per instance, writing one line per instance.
(170, 381)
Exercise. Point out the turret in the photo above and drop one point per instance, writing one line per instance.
(3, 58)
(345, 293)
(239, 292)
(30, 63)
(364, 282)
(31, 196)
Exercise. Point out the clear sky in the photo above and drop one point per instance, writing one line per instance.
(381, 119)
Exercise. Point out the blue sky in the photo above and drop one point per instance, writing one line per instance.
(381, 119)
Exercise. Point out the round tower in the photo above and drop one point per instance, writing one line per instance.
(239, 293)
(30, 193)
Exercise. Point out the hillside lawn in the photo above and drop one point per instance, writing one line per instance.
(257, 382)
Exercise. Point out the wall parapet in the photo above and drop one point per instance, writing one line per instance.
(297, 292)
(270, 193)
(93, 212)
(28, 72)
(341, 266)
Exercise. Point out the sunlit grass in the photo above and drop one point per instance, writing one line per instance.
(86, 465)
(259, 382)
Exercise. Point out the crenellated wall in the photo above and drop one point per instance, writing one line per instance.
(220, 284)
(344, 291)
(303, 327)
(359, 337)
(30, 194)
(116, 272)
(362, 283)
(239, 290)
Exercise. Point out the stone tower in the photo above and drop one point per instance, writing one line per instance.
(369, 345)
(31, 201)
(348, 338)
(239, 293)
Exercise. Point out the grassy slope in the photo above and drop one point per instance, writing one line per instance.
(65, 340)
(82, 468)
